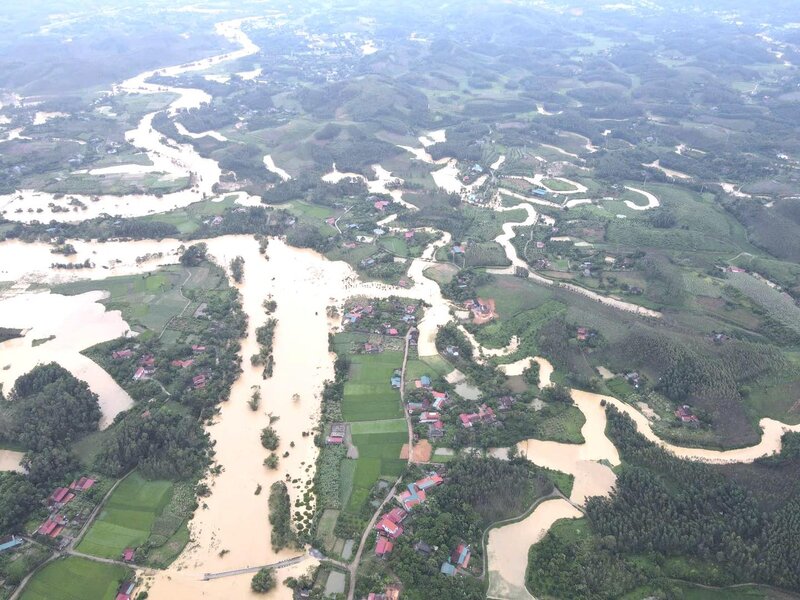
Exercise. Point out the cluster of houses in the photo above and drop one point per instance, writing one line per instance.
(56, 522)
(485, 414)
(435, 400)
(146, 367)
(459, 559)
(405, 313)
(357, 312)
(389, 526)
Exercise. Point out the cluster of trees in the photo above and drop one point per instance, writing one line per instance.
(280, 517)
(464, 284)
(263, 581)
(47, 410)
(18, 497)
(162, 443)
(265, 336)
(237, 269)
(48, 407)
(194, 255)
(693, 370)
(726, 520)
(270, 438)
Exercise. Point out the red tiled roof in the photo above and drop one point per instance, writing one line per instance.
(383, 546)
(57, 531)
(58, 494)
(393, 530)
(46, 527)
(183, 363)
(396, 515)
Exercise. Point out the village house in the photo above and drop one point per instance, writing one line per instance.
(436, 430)
(485, 415)
(506, 402)
(125, 590)
(127, 555)
(121, 354)
(372, 348)
(415, 407)
(582, 334)
(396, 379)
(338, 432)
(429, 417)
(391, 593)
(183, 363)
(634, 379)
(10, 542)
(685, 415)
(423, 548)
(412, 497)
(459, 559)
(389, 527)
(383, 546)
(440, 399)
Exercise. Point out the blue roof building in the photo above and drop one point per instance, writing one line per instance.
(9, 542)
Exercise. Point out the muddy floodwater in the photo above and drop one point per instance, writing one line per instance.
(10, 460)
(63, 326)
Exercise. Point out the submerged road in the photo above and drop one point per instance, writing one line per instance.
(278, 565)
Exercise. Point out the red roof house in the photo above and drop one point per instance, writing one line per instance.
(383, 546)
(59, 494)
(429, 417)
(461, 556)
(430, 481)
(127, 555)
(396, 515)
(393, 530)
(182, 363)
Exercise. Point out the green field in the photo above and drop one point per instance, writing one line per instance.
(378, 456)
(189, 218)
(368, 395)
(74, 578)
(127, 518)
(147, 301)
(383, 426)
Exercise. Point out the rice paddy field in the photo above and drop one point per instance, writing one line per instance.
(75, 578)
(368, 395)
(127, 518)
